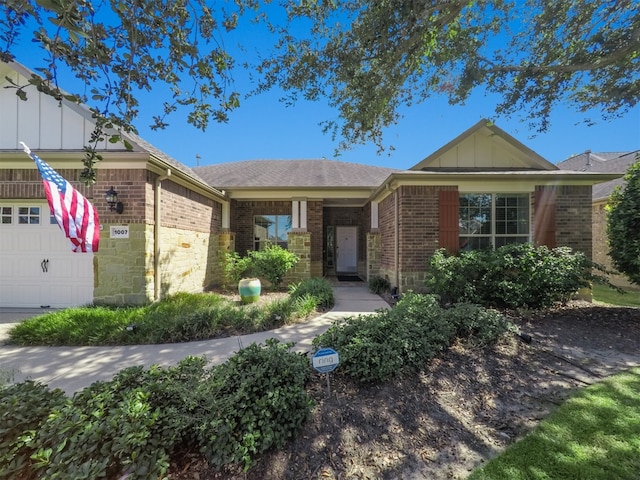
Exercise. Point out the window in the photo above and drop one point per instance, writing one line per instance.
(271, 229)
(6, 215)
(492, 220)
(28, 215)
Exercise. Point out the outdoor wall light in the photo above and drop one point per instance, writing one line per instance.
(112, 199)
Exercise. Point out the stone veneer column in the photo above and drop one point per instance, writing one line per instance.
(373, 254)
(123, 271)
(300, 244)
(226, 243)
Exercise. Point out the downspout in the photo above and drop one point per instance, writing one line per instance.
(156, 235)
(396, 247)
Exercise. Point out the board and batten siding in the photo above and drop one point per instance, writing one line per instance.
(40, 121)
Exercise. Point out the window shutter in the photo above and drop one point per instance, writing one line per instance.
(449, 222)
(544, 221)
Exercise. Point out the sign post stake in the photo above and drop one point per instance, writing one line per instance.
(325, 361)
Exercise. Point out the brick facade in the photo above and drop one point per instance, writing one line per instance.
(573, 218)
(242, 220)
(27, 183)
(418, 230)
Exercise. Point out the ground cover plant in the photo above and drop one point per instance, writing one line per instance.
(593, 436)
(130, 427)
(179, 318)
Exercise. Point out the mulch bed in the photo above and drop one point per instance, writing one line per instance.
(466, 407)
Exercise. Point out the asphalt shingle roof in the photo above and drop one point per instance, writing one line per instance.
(601, 162)
(292, 173)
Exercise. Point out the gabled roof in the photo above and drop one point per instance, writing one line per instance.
(486, 147)
(602, 162)
(161, 160)
(255, 174)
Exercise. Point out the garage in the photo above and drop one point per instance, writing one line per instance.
(37, 266)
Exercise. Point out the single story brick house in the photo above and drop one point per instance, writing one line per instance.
(603, 162)
(483, 188)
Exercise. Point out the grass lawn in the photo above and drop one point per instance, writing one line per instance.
(603, 294)
(593, 436)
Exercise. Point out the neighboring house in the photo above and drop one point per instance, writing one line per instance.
(484, 188)
(600, 162)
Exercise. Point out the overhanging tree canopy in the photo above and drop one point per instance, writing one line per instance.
(367, 58)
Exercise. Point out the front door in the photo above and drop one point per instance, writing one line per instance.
(347, 249)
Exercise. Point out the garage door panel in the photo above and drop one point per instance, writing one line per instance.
(30, 240)
(25, 281)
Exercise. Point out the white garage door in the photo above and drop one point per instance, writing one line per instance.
(37, 266)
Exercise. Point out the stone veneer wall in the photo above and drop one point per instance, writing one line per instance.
(300, 244)
(186, 258)
(123, 272)
(373, 255)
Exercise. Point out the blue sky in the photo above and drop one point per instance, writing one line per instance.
(264, 128)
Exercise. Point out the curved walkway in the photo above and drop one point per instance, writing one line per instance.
(74, 368)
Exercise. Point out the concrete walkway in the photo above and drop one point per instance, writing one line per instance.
(74, 368)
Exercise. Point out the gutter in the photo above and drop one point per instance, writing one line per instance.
(156, 234)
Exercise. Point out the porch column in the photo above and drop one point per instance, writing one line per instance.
(299, 214)
(374, 215)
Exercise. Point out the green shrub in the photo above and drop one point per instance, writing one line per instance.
(235, 268)
(512, 276)
(375, 348)
(273, 263)
(129, 425)
(258, 402)
(132, 425)
(24, 408)
(379, 285)
(319, 288)
(479, 326)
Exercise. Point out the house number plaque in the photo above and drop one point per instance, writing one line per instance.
(119, 231)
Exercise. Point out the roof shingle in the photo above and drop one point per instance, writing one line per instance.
(292, 173)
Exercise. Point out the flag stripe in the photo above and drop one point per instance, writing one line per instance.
(75, 215)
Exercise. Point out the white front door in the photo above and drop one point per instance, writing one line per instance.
(37, 266)
(347, 249)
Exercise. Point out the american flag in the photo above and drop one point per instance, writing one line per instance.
(74, 214)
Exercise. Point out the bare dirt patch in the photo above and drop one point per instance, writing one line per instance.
(466, 407)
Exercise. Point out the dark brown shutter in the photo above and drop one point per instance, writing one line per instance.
(544, 218)
(449, 222)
